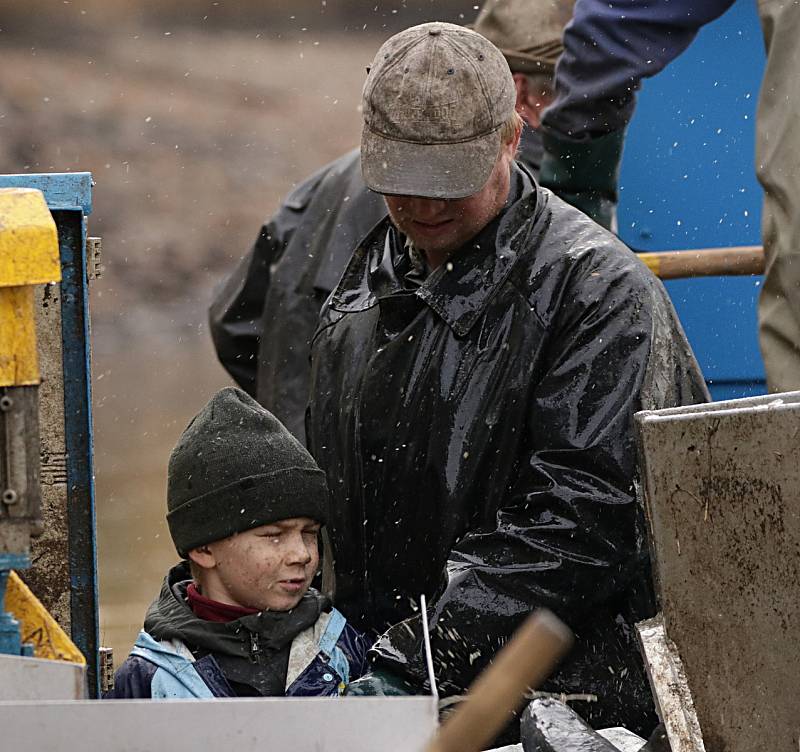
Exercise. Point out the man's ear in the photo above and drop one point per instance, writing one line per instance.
(203, 556)
(509, 149)
(531, 101)
(521, 85)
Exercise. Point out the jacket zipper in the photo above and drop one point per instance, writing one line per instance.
(255, 648)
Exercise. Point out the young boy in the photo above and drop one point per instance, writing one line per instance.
(238, 619)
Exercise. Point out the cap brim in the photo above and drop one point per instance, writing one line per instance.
(519, 62)
(430, 170)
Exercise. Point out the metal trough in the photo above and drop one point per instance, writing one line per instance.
(722, 490)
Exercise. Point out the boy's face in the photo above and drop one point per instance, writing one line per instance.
(268, 567)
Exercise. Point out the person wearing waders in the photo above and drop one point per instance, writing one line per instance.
(237, 617)
(474, 376)
(264, 315)
(609, 49)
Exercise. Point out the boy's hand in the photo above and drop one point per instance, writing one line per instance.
(380, 683)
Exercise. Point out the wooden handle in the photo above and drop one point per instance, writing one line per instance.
(523, 663)
(706, 262)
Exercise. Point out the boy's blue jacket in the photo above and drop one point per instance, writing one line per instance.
(324, 652)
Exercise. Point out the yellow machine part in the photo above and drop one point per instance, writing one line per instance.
(28, 256)
(28, 239)
(19, 364)
(37, 626)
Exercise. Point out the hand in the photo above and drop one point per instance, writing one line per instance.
(585, 173)
(379, 683)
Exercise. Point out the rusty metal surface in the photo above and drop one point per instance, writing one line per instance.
(20, 501)
(48, 577)
(722, 483)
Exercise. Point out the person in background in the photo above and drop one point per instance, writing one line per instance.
(264, 315)
(237, 617)
(528, 33)
(608, 49)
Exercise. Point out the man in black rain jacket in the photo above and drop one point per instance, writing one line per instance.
(474, 378)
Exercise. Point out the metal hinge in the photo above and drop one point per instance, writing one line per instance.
(94, 263)
(106, 669)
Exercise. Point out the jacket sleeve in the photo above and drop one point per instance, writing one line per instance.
(133, 680)
(355, 645)
(569, 534)
(608, 49)
(236, 311)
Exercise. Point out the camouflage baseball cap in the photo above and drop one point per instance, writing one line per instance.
(434, 101)
(528, 32)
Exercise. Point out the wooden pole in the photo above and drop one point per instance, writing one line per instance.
(706, 262)
(526, 661)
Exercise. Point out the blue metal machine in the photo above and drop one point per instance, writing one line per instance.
(688, 181)
(67, 470)
(10, 637)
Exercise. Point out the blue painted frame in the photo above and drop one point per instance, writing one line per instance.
(688, 181)
(69, 197)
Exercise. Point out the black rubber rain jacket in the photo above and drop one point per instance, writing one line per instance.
(265, 314)
(477, 435)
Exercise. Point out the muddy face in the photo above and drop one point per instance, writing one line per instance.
(267, 568)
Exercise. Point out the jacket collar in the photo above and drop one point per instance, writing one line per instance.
(170, 617)
(458, 292)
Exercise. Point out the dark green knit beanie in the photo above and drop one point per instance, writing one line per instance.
(236, 467)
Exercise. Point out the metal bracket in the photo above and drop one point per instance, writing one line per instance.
(94, 262)
(106, 669)
(670, 688)
(20, 504)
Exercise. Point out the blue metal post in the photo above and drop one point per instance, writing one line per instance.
(69, 198)
(10, 638)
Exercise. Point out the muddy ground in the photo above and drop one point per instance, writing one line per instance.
(192, 136)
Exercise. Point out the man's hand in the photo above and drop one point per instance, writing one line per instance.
(585, 173)
(380, 683)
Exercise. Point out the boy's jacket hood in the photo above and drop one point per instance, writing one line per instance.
(238, 646)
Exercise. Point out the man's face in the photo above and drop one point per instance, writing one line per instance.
(268, 567)
(440, 226)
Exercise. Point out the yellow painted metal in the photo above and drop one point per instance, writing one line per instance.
(28, 239)
(19, 364)
(37, 626)
(28, 256)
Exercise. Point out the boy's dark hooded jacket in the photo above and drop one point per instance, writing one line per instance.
(309, 651)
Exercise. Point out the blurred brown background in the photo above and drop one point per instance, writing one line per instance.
(195, 118)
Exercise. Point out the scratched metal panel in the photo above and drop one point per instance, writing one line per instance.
(48, 576)
(722, 485)
(364, 724)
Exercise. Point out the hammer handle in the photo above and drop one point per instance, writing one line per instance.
(523, 663)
